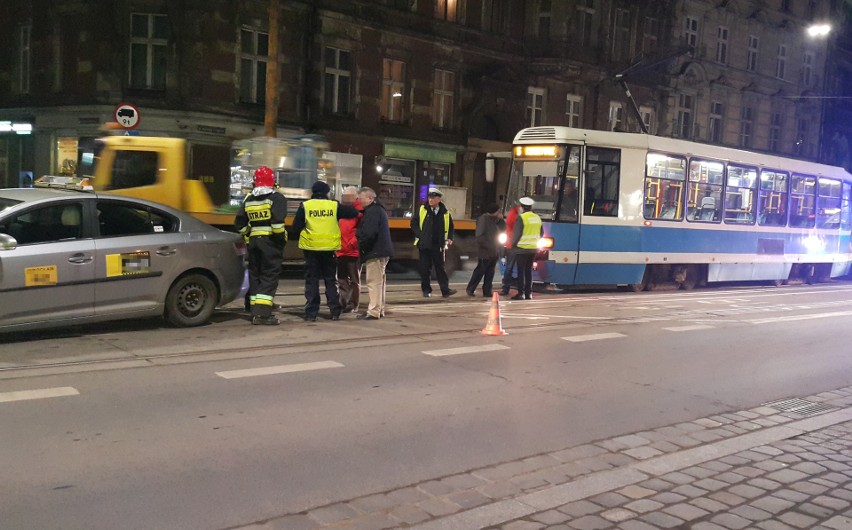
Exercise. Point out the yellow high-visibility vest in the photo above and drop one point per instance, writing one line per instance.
(322, 231)
(532, 231)
(423, 218)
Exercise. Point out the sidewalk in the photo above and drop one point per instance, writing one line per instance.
(783, 465)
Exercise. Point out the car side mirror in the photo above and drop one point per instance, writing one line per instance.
(8, 242)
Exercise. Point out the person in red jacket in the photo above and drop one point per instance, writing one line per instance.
(511, 217)
(348, 259)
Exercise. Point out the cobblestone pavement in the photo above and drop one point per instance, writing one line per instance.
(783, 465)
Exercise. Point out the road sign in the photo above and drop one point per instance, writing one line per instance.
(127, 116)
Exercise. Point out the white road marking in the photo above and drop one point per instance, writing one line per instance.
(596, 336)
(283, 369)
(689, 328)
(465, 349)
(793, 318)
(42, 393)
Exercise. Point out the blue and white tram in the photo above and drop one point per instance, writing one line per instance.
(639, 210)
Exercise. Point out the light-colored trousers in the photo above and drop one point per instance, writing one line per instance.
(376, 285)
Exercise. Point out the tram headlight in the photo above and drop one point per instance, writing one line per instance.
(545, 243)
(502, 238)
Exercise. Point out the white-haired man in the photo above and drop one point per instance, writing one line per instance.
(348, 258)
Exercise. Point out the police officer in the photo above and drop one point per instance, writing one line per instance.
(316, 223)
(527, 232)
(433, 233)
(261, 220)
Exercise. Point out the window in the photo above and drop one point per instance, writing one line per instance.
(772, 198)
(740, 194)
(535, 104)
(664, 178)
(603, 169)
(684, 116)
(785, 6)
(538, 179)
(775, 124)
(254, 53)
(46, 224)
(393, 86)
(544, 19)
(446, 10)
(338, 79)
(648, 118)
(704, 194)
(24, 59)
(722, 45)
(494, 16)
(585, 17)
(807, 68)
(650, 35)
(753, 48)
(810, 13)
(746, 126)
(846, 208)
(717, 111)
(149, 36)
(781, 62)
(132, 169)
(116, 219)
(616, 116)
(691, 32)
(442, 99)
(621, 35)
(802, 201)
(574, 110)
(569, 204)
(828, 203)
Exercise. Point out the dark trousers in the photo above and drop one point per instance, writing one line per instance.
(433, 258)
(349, 280)
(525, 260)
(264, 266)
(507, 272)
(484, 269)
(320, 264)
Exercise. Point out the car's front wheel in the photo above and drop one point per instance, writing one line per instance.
(191, 301)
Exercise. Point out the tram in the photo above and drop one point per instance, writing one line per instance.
(638, 211)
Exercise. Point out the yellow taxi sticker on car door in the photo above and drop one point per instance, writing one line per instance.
(128, 264)
(44, 275)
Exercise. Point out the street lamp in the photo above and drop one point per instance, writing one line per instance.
(818, 30)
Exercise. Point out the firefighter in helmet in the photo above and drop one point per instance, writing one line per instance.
(261, 219)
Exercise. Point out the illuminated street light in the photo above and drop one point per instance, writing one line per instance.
(819, 30)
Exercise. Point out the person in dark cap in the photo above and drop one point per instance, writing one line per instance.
(317, 224)
(488, 228)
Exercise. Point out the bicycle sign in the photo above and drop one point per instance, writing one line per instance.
(127, 116)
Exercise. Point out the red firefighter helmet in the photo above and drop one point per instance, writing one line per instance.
(264, 177)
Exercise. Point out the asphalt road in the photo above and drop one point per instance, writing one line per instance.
(159, 428)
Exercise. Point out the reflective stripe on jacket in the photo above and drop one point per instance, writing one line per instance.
(321, 230)
(532, 231)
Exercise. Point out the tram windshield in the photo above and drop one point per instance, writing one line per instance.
(549, 175)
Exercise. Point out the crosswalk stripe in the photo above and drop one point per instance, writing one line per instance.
(283, 369)
(42, 393)
(596, 336)
(465, 349)
(688, 328)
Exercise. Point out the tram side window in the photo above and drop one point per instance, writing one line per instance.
(846, 208)
(664, 179)
(603, 170)
(828, 203)
(772, 199)
(802, 201)
(704, 194)
(739, 194)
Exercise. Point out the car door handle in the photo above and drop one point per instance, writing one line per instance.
(80, 258)
(166, 251)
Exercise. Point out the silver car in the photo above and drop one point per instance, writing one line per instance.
(69, 257)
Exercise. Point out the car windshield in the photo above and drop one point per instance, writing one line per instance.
(7, 203)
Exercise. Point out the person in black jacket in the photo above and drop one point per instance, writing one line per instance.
(433, 233)
(488, 228)
(376, 249)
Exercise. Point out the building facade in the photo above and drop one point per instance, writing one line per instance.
(421, 88)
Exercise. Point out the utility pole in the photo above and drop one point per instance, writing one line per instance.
(270, 122)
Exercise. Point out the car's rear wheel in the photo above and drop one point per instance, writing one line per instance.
(191, 301)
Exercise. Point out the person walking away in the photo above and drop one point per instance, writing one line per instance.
(528, 230)
(316, 222)
(488, 228)
(260, 219)
(374, 244)
(348, 262)
(511, 217)
(433, 233)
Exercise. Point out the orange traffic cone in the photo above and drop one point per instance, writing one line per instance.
(494, 326)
